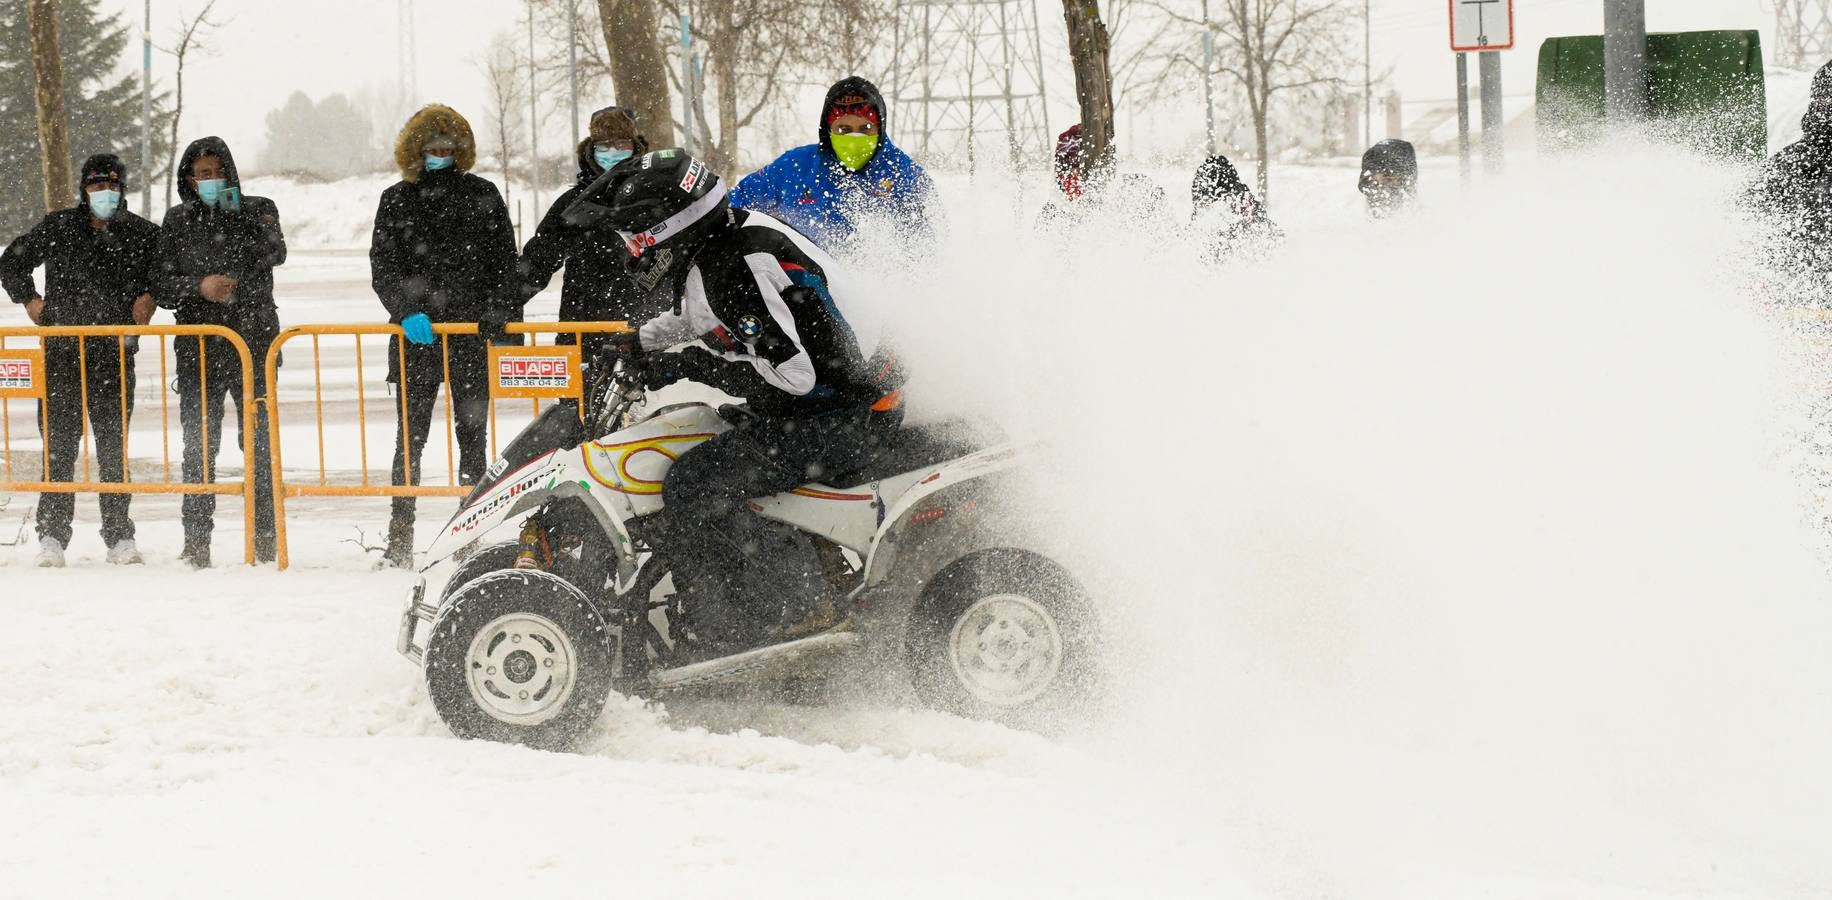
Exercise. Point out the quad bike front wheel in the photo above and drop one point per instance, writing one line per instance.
(1006, 636)
(520, 657)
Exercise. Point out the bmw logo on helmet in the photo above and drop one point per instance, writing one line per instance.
(750, 328)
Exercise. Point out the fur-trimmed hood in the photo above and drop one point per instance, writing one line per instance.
(432, 120)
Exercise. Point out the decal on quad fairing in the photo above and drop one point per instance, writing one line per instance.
(610, 464)
(504, 495)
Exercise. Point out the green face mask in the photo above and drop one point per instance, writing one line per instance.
(854, 150)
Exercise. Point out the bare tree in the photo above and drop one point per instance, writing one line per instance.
(191, 34)
(1268, 48)
(48, 91)
(501, 70)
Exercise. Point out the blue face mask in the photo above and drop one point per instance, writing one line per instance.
(436, 163)
(104, 203)
(210, 189)
(607, 157)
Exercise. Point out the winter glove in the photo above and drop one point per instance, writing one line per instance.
(625, 345)
(493, 325)
(418, 328)
(691, 364)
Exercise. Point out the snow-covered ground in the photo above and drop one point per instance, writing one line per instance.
(1463, 556)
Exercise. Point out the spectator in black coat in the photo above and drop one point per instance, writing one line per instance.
(1224, 210)
(600, 286)
(217, 253)
(1795, 194)
(443, 251)
(98, 260)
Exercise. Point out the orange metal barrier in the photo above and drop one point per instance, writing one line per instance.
(120, 334)
(324, 486)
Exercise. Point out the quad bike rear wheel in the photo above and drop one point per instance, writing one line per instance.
(520, 657)
(1006, 636)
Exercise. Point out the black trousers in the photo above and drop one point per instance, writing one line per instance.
(205, 392)
(714, 538)
(61, 424)
(470, 357)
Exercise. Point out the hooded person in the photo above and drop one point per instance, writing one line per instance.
(600, 286)
(1224, 210)
(1085, 186)
(443, 250)
(98, 258)
(1390, 178)
(217, 252)
(1794, 192)
(825, 189)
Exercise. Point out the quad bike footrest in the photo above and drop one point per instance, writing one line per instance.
(417, 611)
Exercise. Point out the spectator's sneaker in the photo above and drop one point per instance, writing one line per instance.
(124, 553)
(50, 553)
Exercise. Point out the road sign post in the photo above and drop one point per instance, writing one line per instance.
(1483, 27)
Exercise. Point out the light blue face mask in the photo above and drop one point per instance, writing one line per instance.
(436, 163)
(607, 157)
(104, 203)
(210, 189)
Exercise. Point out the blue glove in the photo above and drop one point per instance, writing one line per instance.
(418, 328)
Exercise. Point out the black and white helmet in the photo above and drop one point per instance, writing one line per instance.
(664, 199)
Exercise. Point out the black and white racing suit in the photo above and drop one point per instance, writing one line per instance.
(782, 326)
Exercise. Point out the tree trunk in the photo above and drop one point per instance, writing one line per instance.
(53, 124)
(726, 158)
(639, 70)
(1088, 48)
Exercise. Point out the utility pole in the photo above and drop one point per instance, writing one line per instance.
(1463, 161)
(534, 124)
(48, 90)
(1367, 72)
(572, 62)
(146, 113)
(1625, 60)
(1208, 78)
(1489, 65)
(687, 84)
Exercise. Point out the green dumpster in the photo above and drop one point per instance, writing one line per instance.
(1705, 90)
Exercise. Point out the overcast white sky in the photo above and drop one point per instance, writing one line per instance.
(269, 48)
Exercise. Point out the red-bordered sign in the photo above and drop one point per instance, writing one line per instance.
(535, 372)
(1478, 25)
(22, 374)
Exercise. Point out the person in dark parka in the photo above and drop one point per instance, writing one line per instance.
(1794, 192)
(1390, 178)
(1224, 209)
(217, 253)
(98, 258)
(600, 285)
(443, 251)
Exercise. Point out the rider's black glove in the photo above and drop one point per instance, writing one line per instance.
(624, 345)
(691, 364)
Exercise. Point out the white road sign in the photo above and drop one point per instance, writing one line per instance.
(1481, 24)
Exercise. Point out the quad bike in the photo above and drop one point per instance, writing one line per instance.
(918, 560)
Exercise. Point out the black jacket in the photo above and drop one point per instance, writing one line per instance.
(443, 246)
(198, 240)
(92, 275)
(599, 286)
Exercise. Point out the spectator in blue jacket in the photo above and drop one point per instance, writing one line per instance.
(823, 189)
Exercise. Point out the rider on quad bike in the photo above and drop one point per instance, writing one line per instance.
(765, 315)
